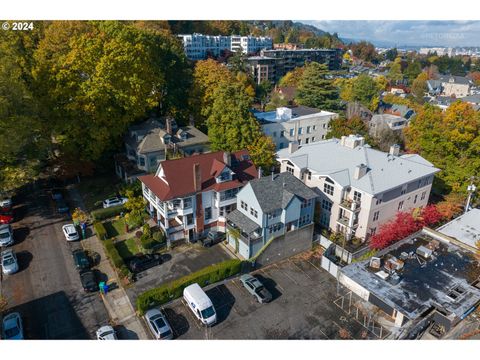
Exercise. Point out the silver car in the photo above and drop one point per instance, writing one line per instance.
(9, 262)
(6, 235)
(12, 327)
(106, 333)
(158, 325)
(114, 202)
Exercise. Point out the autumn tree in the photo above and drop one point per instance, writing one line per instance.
(413, 69)
(364, 50)
(475, 76)
(362, 89)
(419, 87)
(343, 127)
(262, 153)
(315, 90)
(292, 78)
(395, 71)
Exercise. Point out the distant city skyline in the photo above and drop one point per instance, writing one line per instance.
(445, 33)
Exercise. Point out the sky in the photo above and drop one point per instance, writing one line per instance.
(413, 33)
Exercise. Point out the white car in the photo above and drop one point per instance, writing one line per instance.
(106, 333)
(115, 201)
(158, 325)
(9, 262)
(71, 234)
(12, 327)
(6, 203)
(6, 235)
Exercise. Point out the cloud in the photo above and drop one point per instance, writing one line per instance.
(420, 33)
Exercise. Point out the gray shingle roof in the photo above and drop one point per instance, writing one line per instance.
(277, 193)
(243, 222)
(385, 172)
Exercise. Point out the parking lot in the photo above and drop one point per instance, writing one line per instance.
(178, 262)
(302, 308)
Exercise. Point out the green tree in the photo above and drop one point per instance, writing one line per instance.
(262, 153)
(231, 126)
(292, 78)
(395, 71)
(413, 69)
(391, 54)
(362, 89)
(262, 92)
(315, 90)
(276, 101)
(419, 87)
(343, 127)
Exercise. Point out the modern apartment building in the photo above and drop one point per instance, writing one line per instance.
(301, 124)
(276, 63)
(270, 207)
(192, 195)
(360, 188)
(199, 46)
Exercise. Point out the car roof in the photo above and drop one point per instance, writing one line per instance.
(5, 228)
(69, 227)
(8, 252)
(11, 318)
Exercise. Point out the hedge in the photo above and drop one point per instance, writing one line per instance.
(100, 230)
(102, 214)
(115, 257)
(174, 289)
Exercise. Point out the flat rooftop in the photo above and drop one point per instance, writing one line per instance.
(297, 113)
(443, 280)
(465, 228)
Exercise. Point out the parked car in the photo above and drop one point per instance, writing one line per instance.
(115, 201)
(70, 232)
(62, 206)
(213, 237)
(81, 260)
(6, 203)
(144, 262)
(256, 288)
(6, 216)
(200, 304)
(9, 262)
(89, 281)
(12, 327)
(158, 325)
(57, 194)
(6, 235)
(106, 333)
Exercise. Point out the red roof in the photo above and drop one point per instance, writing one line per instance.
(179, 174)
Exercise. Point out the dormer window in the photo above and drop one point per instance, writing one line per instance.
(224, 176)
(166, 139)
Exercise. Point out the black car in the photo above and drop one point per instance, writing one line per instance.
(144, 262)
(213, 237)
(88, 279)
(62, 206)
(81, 260)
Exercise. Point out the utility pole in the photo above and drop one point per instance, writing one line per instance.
(471, 190)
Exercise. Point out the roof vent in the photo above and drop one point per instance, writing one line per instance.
(394, 150)
(360, 170)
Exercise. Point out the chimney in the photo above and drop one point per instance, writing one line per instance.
(360, 170)
(168, 125)
(197, 178)
(395, 150)
(260, 172)
(342, 140)
(352, 141)
(227, 158)
(292, 147)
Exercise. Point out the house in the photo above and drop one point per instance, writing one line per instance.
(270, 207)
(301, 123)
(427, 282)
(360, 188)
(380, 122)
(190, 196)
(449, 85)
(146, 145)
(464, 228)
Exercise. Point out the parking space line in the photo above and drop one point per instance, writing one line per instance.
(189, 314)
(283, 272)
(300, 269)
(316, 267)
(271, 277)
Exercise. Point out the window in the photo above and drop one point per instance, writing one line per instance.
(400, 205)
(323, 137)
(253, 212)
(373, 231)
(314, 127)
(292, 132)
(375, 215)
(309, 175)
(290, 170)
(415, 200)
(378, 201)
(309, 129)
(299, 141)
(243, 205)
(208, 213)
(423, 195)
(307, 140)
(274, 134)
(141, 161)
(282, 133)
(327, 205)
(324, 220)
(328, 189)
(324, 126)
(357, 196)
(153, 161)
(306, 203)
(313, 138)
(404, 191)
(300, 131)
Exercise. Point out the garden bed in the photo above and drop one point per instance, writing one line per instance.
(115, 228)
(127, 248)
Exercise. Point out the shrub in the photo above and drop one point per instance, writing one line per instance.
(174, 289)
(115, 258)
(158, 236)
(100, 230)
(147, 242)
(102, 214)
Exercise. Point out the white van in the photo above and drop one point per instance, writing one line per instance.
(200, 304)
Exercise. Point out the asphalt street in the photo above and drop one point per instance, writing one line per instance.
(47, 290)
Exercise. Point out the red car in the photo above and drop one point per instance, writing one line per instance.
(6, 217)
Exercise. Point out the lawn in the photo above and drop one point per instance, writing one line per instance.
(115, 228)
(127, 248)
(97, 189)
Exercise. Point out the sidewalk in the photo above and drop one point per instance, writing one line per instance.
(119, 308)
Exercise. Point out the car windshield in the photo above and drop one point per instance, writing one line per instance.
(106, 333)
(165, 334)
(259, 289)
(12, 332)
(4, 235)
(208, 312)
(159, 322)
(8, 261)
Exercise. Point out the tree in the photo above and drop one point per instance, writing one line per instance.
(315, 90)
(362, 89)
(395, 72)
(419, 87)
(135, 207)
(292, 78)
(475, 76)
(276, 101)
(413, 69)
(231, 126)
(391, 54)
(343, 127)
(364, 50)
(262, 92)
(262, 153)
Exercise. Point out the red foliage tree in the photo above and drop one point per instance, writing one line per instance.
(430, 216)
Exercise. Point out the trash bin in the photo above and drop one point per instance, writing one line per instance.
(101, 287)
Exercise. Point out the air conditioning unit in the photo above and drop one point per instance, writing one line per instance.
(424, 252)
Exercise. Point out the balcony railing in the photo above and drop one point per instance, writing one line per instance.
(345, 221)
(350, 205)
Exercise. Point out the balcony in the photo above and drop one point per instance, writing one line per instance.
(345, 220)
(350, 205)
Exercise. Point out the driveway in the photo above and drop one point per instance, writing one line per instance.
(47, 290)
(179, 261)
(302, 308)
